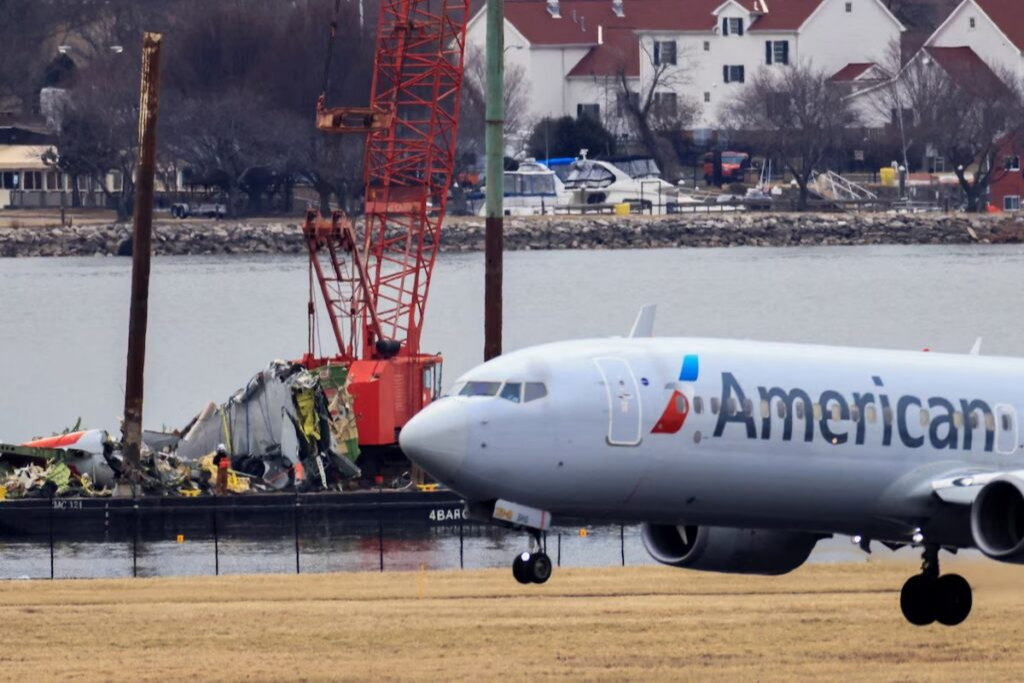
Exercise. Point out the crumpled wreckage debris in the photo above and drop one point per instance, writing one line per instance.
(288, 427)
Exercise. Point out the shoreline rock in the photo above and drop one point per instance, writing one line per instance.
(543, 233)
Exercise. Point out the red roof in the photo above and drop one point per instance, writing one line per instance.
(619, 51)
(852, 71)
(967, 69)
(1008, 15)
(785, 15)
(580, 18)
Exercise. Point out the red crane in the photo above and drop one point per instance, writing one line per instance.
(374, 286)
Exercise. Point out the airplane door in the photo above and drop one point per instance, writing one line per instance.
(623, 401)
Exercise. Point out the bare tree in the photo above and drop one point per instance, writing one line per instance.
(656, 112)
(955, 108)
(472, 110)
(796, 115)
(99, 130)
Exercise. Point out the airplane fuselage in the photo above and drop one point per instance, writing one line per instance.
(731, 433)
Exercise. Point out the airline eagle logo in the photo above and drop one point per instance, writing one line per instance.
(674, 415)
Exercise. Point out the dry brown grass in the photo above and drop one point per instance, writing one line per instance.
(823, 622)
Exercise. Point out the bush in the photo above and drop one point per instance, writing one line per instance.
(566, 136)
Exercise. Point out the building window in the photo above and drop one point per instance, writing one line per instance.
(665, 103)
(733, 74)
(627, 101)
(849, 8)
(707, 46)
(9, 180)
(707, 96)
(732, 26)
(776, 52)
(665, 52)
(591, 111)
(1012, 163)
(973, 23)
(1011, 203)
(33, 180)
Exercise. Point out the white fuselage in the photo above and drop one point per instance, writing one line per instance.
(727, 433)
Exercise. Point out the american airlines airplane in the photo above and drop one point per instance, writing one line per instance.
(739, 456)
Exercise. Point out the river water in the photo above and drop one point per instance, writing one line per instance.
(214, 321)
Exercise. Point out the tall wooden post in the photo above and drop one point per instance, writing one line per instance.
(142, 244)
(495, 151)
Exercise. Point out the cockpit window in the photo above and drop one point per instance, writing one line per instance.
(533, 391)
(511, 392)
(480, 389)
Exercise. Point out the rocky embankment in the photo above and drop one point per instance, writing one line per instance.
(576, 232)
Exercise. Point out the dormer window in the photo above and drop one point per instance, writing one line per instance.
(973, 22)
(732, 26)
(554, 10)
(619, 8)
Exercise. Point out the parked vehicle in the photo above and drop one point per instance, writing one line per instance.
(204, 209)
(734, 166)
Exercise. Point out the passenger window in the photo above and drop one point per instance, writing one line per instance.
(748, 407)
(817, 411)
(958, 419)
(681, 403)
(714, 405)
(731, 407)
(533, 391)
(887, 415)
(925, 417)
(766, 410)
(837, 414)
(990, 422)
(480, 389)
(800, 407)
(871, 414)
(855, 413)
(780, 409)
(511, 392)
(974, 419)
(698, 405)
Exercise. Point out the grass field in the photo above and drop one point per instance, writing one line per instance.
(823, 622)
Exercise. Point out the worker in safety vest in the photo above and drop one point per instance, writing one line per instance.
(223, 462)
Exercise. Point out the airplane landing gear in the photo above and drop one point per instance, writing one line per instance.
(532, 566)
(928, 597)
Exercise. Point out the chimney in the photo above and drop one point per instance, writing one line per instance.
(600, 34)
(554, 10)
(619, 8)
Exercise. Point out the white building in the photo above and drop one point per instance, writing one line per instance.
(993, 29)
(576, 53)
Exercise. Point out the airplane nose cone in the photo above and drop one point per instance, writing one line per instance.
(437, 439)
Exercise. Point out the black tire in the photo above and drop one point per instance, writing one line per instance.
(540, 567)
(917, 600)
(520, 570)
(953, 599)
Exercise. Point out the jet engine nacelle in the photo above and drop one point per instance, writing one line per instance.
(997, 519)
(723, 549)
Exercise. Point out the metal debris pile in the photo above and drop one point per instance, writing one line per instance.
(287, 429)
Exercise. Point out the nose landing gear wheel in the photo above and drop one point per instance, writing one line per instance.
(532, 567)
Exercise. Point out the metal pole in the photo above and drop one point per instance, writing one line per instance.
(380, 536)
(142, 242)
(495, 148)
(296, 516)
(51, 538)
(622, 543)
(216, 542)
(135, 540)
(462, 564)
(559, 560)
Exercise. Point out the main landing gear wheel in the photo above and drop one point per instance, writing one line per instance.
(928, 597)
(532, 567)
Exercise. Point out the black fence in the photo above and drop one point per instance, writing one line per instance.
(87, 538)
